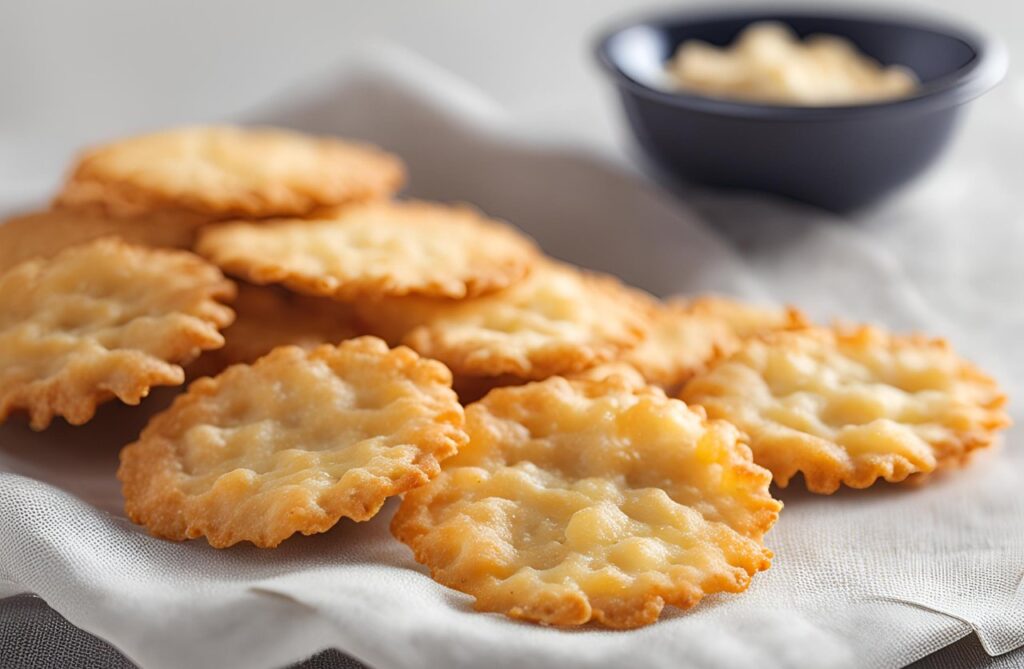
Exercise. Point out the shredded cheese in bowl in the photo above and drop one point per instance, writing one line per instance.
(769, 64)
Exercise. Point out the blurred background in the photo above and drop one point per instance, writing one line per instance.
(76, 72)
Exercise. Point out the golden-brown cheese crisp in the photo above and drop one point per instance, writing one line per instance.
(267, 317)
(292, 443)
(618, 369)
(850, 405)
(680, 344)
(43, 234)
(688, 333)
(229, 171)
(591, 501)
(375, 250)
(559, 320)
(102, 320)
(745, 319)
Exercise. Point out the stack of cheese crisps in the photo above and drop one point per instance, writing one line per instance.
(568, 449)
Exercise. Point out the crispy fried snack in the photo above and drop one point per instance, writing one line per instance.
(681, 343)
(558, 320)
(267, 317)
(579, 501)
(687, 334)
(224, 171)
(851, 405)
(103, 320)
(625, 372)
(292, 443)
(43, 234)
(374, 250)
(746, 319)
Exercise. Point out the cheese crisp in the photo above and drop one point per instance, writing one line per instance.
(688, 334)
(849, 406)
(45, 233)
(223, 171)
(745, 319)
(558, 320)
(591, 501)
(292, 443)
(374, 250)
(680, 344)
(103, 320)
(267, 317)
(624, 372)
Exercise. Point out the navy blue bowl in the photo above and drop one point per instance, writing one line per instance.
(839, 158)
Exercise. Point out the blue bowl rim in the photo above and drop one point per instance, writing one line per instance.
(983, 72)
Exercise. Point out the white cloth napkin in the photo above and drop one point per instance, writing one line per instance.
(874, 578)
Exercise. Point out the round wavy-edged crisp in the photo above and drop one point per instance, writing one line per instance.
(267, 317)
(688, 334)
(376, 249)
(578, 501)
(558, 320)
(226, 171)
(623, 371)
(851, 405)
(745, 319)
(43, 234)
(292, 443)
(103, 320)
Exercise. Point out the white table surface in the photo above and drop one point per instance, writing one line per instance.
(78, 72)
